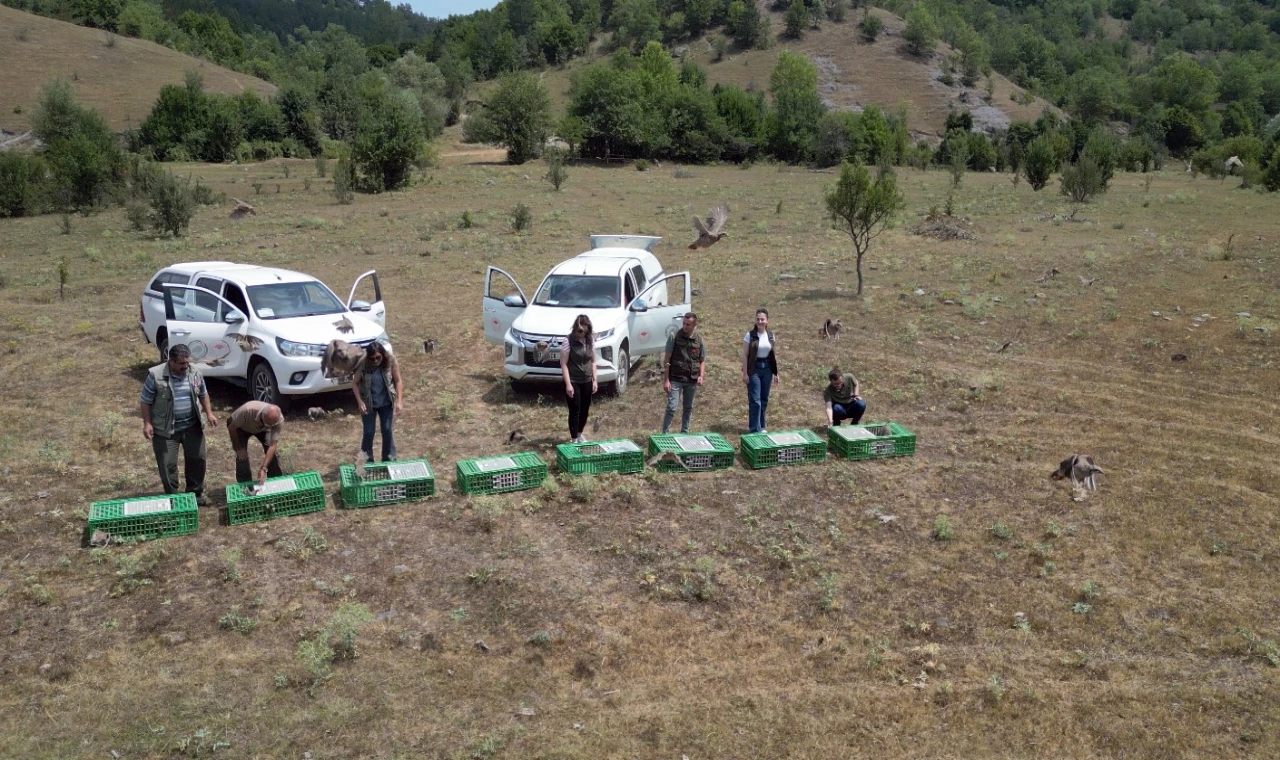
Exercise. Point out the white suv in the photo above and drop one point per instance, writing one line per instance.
(257, 326)
(619, 284)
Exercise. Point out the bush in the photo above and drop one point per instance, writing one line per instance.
(21, 179)
(139, 216)
(173, 204)
(922, 30)
(1083, 179)
(557, 172)
(1271, 179)
(389, 137)
(870, 26)
(1039, 163)
(516, 116)
(344, 180)
(80, 149)
(521, 218)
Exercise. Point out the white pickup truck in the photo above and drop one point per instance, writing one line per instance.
(262, 327)
(633, 305)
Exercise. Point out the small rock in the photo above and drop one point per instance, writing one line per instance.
(997, 299)
(386, 615)
(42, 494)
(948, 302)
(527, 712)
(173, 638)
(696, 291)
(1260, 329)
(1039, 295)
(398, 569)
(1155, 313)
(873, 267)
(1243, 314)
(942, 624)
(787, 277)
(483, 647)
(489, 182)
(886, 519)
(526, 177)
(919, 291)
(45, 668)
(6, 472)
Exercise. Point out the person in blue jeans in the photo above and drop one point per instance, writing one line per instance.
(379, 392)
(844, 401)
(759, 370)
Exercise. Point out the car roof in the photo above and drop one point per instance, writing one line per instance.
(245, 274)
(591, 264)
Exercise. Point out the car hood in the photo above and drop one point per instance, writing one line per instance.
(553, 320)
(320, 329)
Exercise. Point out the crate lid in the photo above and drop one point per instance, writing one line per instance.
(694, 443)
(850, 433)
(407, 470)
(495, 463)
(786, 439)
(617, 447)
(146, 506)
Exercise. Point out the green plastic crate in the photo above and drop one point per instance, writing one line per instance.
(621, 455)
(499, 474)
(145, 517)
(387, 483)
(286, 495)
(698, 451)
(872, 440)
(783, 448)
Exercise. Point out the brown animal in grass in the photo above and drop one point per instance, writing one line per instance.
(830, 329)
(1080, 469)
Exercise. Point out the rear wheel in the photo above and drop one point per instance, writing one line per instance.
(619, 385)
(263, 386)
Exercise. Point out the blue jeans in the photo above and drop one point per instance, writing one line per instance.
(851, 411)
(758, 395)
(682, 393)
(384, 415)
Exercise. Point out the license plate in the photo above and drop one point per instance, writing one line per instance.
(344, 380)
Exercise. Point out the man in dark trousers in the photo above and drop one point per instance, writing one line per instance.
(259, 420)
(683, 371)
(173, 396)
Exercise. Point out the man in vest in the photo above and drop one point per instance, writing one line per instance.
(683, 371)
(256, 419)
(172, 397)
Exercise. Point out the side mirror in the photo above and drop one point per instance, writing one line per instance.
(639, 306)
(514, 301)
(361, 306)
(233, 317)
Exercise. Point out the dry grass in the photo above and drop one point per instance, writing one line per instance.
(121, 81)
(740, 614)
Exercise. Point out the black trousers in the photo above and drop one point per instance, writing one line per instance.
(240, 442)
(579, 407)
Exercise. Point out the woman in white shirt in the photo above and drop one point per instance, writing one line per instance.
(759, 370)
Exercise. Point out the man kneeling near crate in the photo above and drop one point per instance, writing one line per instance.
(843, 399)
(264, 422)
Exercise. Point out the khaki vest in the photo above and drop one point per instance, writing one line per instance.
(366, 383)
(162, 407)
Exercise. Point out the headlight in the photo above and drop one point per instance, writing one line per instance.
(607, 334)
(517, 335)
(289, 348)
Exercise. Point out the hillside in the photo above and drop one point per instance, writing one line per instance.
(852, 74)
(119, 77)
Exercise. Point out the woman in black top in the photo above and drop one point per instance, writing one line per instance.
(578, 368)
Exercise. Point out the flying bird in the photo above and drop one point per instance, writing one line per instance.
(542, 352)
(515, 436)
(341, 359)
(344, 325)
(218, 362)
(830, 329)
(242, 210)
(361, 458)
(710, 232)
(666, 456)
(247, 343)
(1229, 166)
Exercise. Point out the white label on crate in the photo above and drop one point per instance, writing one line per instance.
(390, 493)
(881, 448)
(786, 439)
(145, 506)
(497, 463)
(408, 470)
(276, 486)
(618, 447)
(694, 443)
(853, 433)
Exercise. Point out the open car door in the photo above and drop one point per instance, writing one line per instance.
(503, 302)
(650, 325)
(213, 330)
(375, 309)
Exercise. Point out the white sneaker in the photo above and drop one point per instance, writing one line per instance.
(582, 439)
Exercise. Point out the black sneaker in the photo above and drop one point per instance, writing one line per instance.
(202, 500)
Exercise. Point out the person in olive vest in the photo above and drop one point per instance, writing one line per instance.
(173, 396)
(759, 370)
(578, 369)
(683, 371)
(379, 393)
(256, 419)
(843, 397)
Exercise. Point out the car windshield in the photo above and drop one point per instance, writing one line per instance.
(573, 291)
(293, 299)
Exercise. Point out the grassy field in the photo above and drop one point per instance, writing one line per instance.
(119, 77)
(738, 614)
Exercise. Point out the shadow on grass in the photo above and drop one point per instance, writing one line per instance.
(820, 295)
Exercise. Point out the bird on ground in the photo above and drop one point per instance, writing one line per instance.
(1086, 281)
(428, 346)
(247, 343)
(1048, 275)
(1080, 469)
(515, 436)
(341, 359)
(316, 413)
(99, 539)
(344, 325)
(241, 210)
(666, 456)
(830, 329)
(1005, 347)
(710, 232)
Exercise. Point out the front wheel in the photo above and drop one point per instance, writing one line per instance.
(263, 386)
(619, 385)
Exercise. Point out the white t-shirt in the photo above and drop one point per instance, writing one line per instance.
(763, 348)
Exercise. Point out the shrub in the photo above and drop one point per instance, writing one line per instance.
(1039, 163)
(139, 216)
(1083, 179)
(322, 166)
(922, 30)
(557, 172)
(1271, 179)
(389, 137)
(21, 178)
(870, 26)
(344, 179)
(173, 204)
(521, 218)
